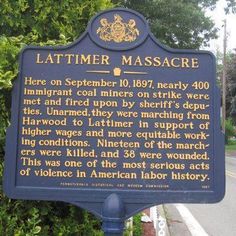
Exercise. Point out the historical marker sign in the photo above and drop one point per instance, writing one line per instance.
(117, 113)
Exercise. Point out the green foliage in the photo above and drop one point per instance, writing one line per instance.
(21, 218)
(9, 49)
(231, 85)
(230, 81)
(231, 146)
(48, 22)
(4, 121)
(177, 23)
(25, 22)
(48, 19)
(231, 6)
(137, 228)
(229, 130)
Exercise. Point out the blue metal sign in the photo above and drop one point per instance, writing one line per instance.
(118, 118)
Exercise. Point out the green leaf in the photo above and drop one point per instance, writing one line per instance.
(36, 230)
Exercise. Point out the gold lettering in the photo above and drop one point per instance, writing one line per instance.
(32, 101)
(126, 61)
(69, 56)
(195, 63)
(173, 62)
(105, 60)
(185, 62)
(85, 59)
(166, 62)
(31, 81)
(49, 59)
(113, 175)
(138, 62)
(38, 61)
(190, 146)
(157, 61)
(96, 59)
(148, 61)
(58, 57)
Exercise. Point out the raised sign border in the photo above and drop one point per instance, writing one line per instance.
(91, 199)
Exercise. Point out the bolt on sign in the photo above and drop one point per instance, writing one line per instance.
(115, 122)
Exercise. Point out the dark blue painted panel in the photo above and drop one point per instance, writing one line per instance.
(123, 52)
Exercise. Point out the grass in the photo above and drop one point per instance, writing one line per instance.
(231, 146)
